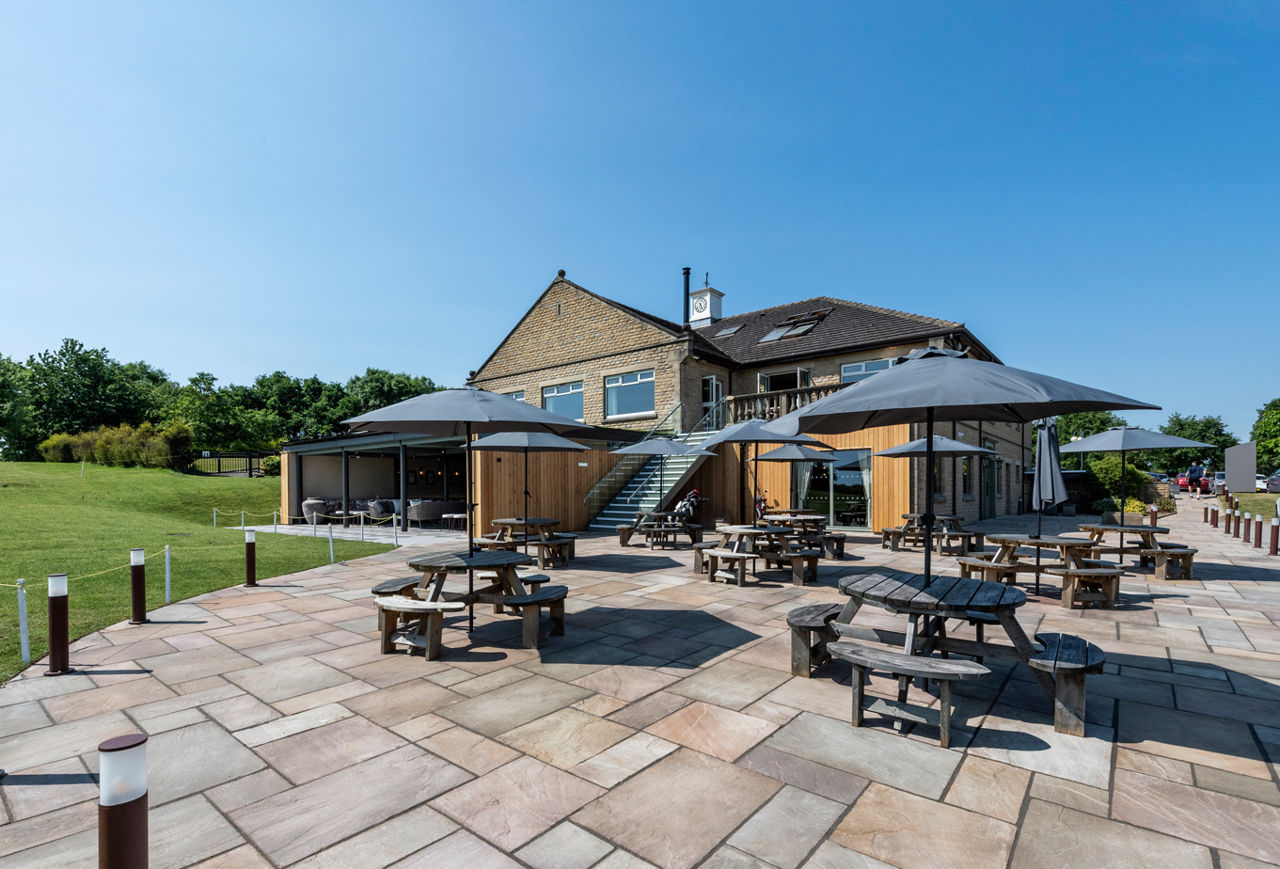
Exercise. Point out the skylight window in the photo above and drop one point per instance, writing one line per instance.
(725, 333)
(796, 325)
(775, 334)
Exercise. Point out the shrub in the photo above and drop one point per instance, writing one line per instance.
(57, 448)
(1165, 504)
(271, 466)
(1112, 505)
(123, 445)
(1104, 473)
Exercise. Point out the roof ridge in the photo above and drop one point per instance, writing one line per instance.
(834, 300)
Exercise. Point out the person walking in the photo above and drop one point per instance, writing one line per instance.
(1194, 475)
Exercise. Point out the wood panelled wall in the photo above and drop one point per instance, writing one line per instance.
(557, 485)
(718, 478)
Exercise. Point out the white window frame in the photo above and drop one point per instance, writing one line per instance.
(860, 369)
(518, 395)
(642, 375)
(564, 389)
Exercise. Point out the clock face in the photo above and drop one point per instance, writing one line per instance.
(700, 304)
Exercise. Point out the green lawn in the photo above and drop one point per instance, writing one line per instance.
(1255, 503)
(53, 520)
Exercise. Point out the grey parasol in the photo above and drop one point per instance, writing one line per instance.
(934, 384)
(941, 447)
(460, 413)
(526, 442)
(1047, 486)
(755, 431)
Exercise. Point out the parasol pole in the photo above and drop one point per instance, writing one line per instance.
(1123, 499)
(526, 500)
(471, 541)
(928, 496)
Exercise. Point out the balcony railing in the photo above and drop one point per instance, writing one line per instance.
(771, 405)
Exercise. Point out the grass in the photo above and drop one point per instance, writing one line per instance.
(53, 520)
(1255, 503)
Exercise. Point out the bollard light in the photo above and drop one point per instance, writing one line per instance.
(122, 802)
(1275, 537)
(138, 587)
(1248, 517)
(1257, 531)
(1235, 528)
(59, 626)
(250, 560)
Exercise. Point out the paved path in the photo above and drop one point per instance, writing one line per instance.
(664, 729)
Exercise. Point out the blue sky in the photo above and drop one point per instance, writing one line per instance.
(320, 188)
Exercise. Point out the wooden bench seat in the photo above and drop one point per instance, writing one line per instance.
(399, 585)
(393, 610)
(905, 668)
(986, 569)
(530, 606)
(624, 533)
(699, 556)
(803, 563)
(833, 544)
(965, 541)
(735, 572)
(552, 550)
(1085, 584)
(1160, 559)
(1068, 658)
(811, 631)
(493, 544)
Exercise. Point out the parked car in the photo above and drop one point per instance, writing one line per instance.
(1261, 484)
(1273, 483)
(1219, 481)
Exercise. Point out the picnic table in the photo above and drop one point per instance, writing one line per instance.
(550, 546)
(807, 528)
(1074, 565)
(1146, 534)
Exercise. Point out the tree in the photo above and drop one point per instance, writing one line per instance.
(15, 411)
(377, 388)
(1266, 432)
(1206, 429)
(1081, 425)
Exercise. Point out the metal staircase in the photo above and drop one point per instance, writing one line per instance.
(651, 487)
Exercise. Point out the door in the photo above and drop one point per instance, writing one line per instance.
(712, 403)
(841, 488)
(989, 482)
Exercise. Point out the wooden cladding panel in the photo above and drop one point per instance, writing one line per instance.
(557, 485)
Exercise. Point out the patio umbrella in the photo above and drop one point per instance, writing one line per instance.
(526, 442)
(794, 453)
(936, 384)
(460, 413)
(753, 431)
(920, 447)
(661, 447)
(1047, 486)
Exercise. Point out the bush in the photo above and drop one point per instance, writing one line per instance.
(1112, 505)
(57, 448)
(1104, 473)
(1165, 504)
(123, 445)
(270, 466)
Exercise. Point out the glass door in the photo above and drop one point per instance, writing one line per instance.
(712, 395)
(841, 489)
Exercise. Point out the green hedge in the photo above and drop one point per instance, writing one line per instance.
(124, 446)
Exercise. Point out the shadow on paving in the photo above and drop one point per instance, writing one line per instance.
(628, 563)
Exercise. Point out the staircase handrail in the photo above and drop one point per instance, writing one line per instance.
(625, 465)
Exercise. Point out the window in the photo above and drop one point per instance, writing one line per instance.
(565, 399)
(966, 477)
(783, 380)
(795, 325)
(728, 330)
(516, 396)
(852, 372)
(628, 394)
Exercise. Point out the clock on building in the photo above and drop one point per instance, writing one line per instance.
(700, 304)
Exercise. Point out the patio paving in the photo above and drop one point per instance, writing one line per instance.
(664, 729)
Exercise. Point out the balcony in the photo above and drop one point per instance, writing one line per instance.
(771, 405)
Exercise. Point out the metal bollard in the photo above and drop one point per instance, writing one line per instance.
(250, 560)
(1226, 522)
(1213, 517)
(123, 839)
(1257, 531)
(59, 626)
(1247, 524)
(1275, 537)
(24, 638)
(1206, 514)
(138, 587)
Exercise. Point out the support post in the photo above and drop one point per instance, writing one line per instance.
(138, 587)
(346, 489)
(250, 560)
(59, 626)
(123, 837)
(1206, 514)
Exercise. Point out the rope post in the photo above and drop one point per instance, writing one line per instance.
(24, 638)
(122, 802)
(138, 587)
(1275, 537)
(331, 543)
(1248, 523)
(1257, 531)
(362, 527)
(274, 522)
(241, 518)
(314, 523)
(59, 626)
(166, 573)
(250, 560)
(395, 528)
(215, 517)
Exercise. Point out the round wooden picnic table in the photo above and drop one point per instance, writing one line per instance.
(434, 566)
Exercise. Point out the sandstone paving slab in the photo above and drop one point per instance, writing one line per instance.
(192, 759)
(625, 683)
(393, 669)
(566, 737)
(878, 755)
(219, 689)
(1073, 795)
(386, 843)
(1154, 764)
(726, 857)
(21, 717)
(60, 741)
(600, 704)
(317, 752)
(458, 849)
(1255, 710)
(787, 827)
(25, 690)
(805, 774)
(1014, 736)
(620, 859)
(1054, 835)
(421, 727)
(823, 696)
(995, 789)
(290, 648)
(732, 684)
(209, 660)
(1259, 790)
(47, 787)
(516, 802)
(469, 750)
(297, 823)
(399, 703)
(1203, 739)
(831, 856)
(47, 827)
(649, 813)
(647, 710)
(247, 789)
(244, 857)
(510, 706)
(313, 699)
(1233, 824)
(624, 759)
(280, 680)
(713, 730)
(237, 713)
(909, 831)
(1235, 861)
(291, 724)
(564, 846)
(489, 681)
